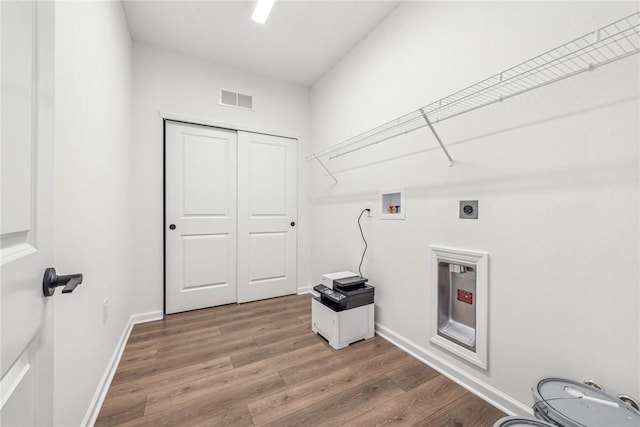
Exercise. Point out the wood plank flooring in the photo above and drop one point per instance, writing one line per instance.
(259, 364)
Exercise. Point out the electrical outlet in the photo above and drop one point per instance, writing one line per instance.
(370, 207)
(105, 310)
(468, 209)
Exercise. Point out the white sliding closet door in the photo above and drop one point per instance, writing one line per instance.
(267, 205)
(201, 170)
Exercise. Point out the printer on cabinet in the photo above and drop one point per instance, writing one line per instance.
(346, 293)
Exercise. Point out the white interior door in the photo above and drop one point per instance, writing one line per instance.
(200, 216)
(26, 149)
(267, 208)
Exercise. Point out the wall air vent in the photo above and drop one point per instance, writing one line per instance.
(235, 99)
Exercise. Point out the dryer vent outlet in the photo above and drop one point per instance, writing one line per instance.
(469, 209)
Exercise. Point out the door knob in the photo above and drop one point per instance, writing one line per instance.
(293, 223)
(51, 281)
(172, 227)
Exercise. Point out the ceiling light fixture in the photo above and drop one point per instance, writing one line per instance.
(261, 13)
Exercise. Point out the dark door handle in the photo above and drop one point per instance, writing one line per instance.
(51, 281)
(293, 223)
(172, 227)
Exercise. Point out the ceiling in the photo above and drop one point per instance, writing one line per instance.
(299, 43)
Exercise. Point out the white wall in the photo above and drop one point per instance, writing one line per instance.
(555, 172)
(92, 215)
(169, 82)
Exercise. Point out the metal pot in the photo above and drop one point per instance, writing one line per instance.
(568, 403)
(520, 422)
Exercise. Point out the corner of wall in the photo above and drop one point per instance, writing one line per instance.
(93, 410)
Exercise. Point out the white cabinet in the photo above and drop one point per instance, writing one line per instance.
(342, 328)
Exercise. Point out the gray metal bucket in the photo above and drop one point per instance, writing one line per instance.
(520, 422)
(569, 403)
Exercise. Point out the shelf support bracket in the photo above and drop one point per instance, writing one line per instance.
(426, 119)
(325, 168)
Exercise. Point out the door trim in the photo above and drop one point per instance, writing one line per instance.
(176, 118)
(202, 121)
(164, 217)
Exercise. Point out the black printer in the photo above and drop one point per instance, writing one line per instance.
(347, 293)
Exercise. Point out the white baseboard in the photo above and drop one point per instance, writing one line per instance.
(490, 394)
(103, 387)
(150, 316)
(306, 290)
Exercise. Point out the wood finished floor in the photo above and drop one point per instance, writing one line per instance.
(259, 364)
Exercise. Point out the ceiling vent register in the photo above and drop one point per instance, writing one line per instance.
(235, 99)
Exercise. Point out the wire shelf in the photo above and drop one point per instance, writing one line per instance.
(602, 46)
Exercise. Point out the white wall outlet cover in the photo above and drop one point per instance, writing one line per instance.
(105, 310)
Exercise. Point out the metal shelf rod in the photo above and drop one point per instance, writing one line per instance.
(328, 171)
(426, 119)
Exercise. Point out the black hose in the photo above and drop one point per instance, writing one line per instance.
(363, 239)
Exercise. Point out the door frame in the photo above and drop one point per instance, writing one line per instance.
(200, 121)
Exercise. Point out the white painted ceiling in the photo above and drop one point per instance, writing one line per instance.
(299, 43)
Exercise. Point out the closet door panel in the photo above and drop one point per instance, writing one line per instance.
(200, 209)
(267, 207)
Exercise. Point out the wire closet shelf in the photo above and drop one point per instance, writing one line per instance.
(595, 49)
